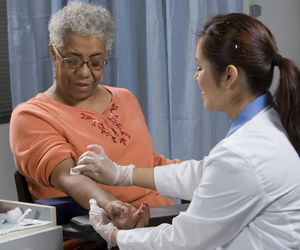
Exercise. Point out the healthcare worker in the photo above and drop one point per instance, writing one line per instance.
(246, 193)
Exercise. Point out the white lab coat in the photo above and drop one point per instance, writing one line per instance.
(245, 195)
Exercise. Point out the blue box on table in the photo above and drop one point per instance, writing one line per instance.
(66, 208)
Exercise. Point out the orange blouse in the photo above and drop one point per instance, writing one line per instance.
(44, 132)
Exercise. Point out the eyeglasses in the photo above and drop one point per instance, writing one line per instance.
(76, 63)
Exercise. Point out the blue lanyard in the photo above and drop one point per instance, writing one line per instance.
(250, 111)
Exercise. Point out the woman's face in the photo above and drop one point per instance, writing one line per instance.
(78, 83)
(211, 92)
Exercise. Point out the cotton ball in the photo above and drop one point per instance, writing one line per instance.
(14, 214)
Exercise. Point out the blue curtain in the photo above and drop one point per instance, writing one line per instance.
(153, 56)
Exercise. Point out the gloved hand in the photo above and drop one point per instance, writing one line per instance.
(101, 222)
(101, 169)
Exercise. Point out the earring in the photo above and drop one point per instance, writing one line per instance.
(102, 78)
(54, 72)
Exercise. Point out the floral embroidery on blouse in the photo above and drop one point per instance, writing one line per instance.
(109, 125)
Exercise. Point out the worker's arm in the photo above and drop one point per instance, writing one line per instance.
(100, 168)
(143, 177)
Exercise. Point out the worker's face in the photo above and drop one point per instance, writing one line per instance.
(211, 92)
(78, 83)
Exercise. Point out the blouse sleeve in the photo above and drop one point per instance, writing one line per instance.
(170, 180)
(37, 142)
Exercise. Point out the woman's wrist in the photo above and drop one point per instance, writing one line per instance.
(105, 201)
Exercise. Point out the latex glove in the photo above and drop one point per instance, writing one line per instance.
(101, 169)
(101, 222)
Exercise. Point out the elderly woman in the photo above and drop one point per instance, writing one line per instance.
(49, 132)
(246, 193)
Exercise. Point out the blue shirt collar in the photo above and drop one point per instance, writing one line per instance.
(250, 111)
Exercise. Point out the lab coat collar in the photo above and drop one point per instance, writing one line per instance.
(250, 111)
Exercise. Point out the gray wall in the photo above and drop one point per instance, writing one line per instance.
(281, 17)
(7, 166)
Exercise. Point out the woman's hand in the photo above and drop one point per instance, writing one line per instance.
(101, 169)
(126, 216)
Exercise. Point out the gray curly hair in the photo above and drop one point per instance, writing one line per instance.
(85, 19)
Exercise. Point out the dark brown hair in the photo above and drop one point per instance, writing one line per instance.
(246, 43)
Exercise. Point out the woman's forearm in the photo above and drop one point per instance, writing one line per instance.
(144, 177)
(79, 187)
(88, 189)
